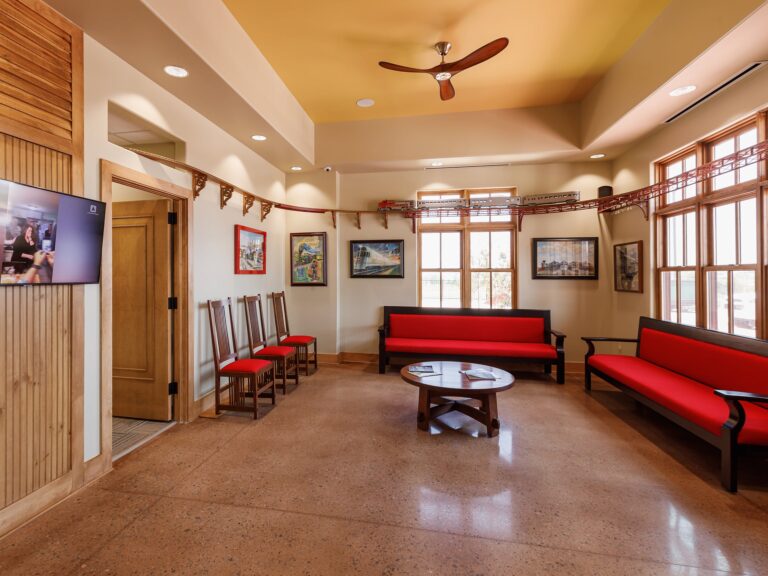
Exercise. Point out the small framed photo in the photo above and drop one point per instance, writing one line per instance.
(628, 267)
(308, 259)
(376, 259)
(564, 258)
(250, 250)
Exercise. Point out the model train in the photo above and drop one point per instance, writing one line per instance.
(476, 203)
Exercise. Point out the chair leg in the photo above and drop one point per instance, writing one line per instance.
(254, 386)
(274, 385)
(285, 376)
(315, 361)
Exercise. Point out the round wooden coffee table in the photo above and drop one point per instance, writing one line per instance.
(434, 391)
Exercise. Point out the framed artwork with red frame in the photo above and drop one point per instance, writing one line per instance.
(250, 250)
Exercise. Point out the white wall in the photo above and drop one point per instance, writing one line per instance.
(108, 78)
(577, 305)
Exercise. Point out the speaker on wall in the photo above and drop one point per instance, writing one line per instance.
(604, 191)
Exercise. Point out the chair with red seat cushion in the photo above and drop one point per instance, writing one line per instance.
(246, 379)
(284, 337)
(285, 357)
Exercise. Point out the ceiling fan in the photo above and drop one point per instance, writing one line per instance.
(444, 71)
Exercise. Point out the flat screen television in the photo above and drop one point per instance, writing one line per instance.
(49, 237)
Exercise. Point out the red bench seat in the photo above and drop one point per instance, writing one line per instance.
(713, 384)
(471, 334)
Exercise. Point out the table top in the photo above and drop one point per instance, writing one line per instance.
(450, 379)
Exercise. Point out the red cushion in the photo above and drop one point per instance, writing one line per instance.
(471, 348)
(715, 366)
(297, 340)
(276, 351)
(485, 328)
(688, 398)
(247, 366)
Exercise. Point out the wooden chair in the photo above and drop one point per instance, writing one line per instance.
(284, 338)
(286, 358)
(246, 378)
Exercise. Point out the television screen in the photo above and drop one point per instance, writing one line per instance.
(48, 237)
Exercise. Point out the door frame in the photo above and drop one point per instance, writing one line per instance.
(183, 344)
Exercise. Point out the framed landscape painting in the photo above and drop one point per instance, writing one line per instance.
(376, 259)
(628, 267)
(250, 250)
(308, 259)
(564, 259)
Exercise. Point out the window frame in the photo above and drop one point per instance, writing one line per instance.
(466, 227)
(703, 204)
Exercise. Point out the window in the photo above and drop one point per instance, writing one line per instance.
(467, 260)
(709, 270)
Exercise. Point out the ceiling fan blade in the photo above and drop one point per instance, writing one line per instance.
(399, 68)
(446, 89)
(480, 55)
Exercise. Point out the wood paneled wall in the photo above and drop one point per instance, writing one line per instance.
(41, 327)
(35, 350)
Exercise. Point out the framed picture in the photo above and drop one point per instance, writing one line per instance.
(564, 258)
(628, 267)
(308, 259)
(250, 250)
(376, 259)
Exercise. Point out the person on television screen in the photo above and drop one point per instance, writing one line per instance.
(24, 249)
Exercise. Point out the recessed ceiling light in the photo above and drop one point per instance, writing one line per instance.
(296, 168)
(597, 156)
(176, 71)
(683, 90)
(366, 102)
(437, 163)
(258, 137)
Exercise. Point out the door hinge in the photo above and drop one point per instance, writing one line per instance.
(173, 303)
(173, 388)
(173, 218)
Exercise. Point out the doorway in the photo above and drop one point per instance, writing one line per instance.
(177, 403)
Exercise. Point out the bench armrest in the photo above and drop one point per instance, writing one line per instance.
(559, 339)
(590, 340)
(736, 415)
(381, 329)
(739, 396)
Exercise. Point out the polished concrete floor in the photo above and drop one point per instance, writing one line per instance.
(338, 480)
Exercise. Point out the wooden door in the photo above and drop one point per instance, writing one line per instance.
(141, 328)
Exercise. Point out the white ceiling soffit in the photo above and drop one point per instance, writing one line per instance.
(699, 42)
(256, 105)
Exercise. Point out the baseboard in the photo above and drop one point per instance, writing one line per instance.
(203, 404)
(328, 358)
(359, 357)
(574, 367)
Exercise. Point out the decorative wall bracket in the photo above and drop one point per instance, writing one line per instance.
(333, 218)
(386, 220)
(357, 220)
(199, 180)
(265, 209)
(248, 201)
(226, 193)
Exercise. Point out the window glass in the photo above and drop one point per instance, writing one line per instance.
(724, 224)
(430, 249)
(501, 245)
(746, 140)
(720, 150)
(675, 241)
(502, 290)
(669, 296)
(688, 297)
(717, 300)
(451, 285)
(481, 290)
(450, 250)
(748, 231)
(479, 250)
(744, 303)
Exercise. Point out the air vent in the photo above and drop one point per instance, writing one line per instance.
(468, 166)
(732, 80)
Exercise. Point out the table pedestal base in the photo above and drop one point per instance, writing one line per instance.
(480, 406)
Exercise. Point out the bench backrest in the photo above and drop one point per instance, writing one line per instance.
(716, 359)
(524, 326)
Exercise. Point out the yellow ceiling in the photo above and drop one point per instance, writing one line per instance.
(327, 51)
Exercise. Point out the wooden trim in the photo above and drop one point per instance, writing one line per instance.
(358, 358)
(328, 359)
(29, 507)
(185, 408)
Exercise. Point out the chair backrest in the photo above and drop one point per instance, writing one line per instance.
(281, 315)
(223, 335)
(254, 322)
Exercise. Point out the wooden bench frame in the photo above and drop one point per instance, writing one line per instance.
(384, 331)
(727, 442)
